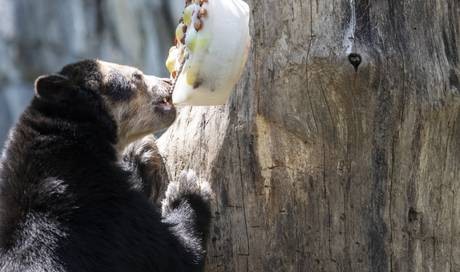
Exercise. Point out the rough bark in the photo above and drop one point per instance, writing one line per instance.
(320, 167)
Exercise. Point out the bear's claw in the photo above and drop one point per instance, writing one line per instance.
(187, 185)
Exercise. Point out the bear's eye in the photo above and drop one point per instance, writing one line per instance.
(138, 76)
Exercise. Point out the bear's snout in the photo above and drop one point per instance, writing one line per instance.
(156, 84)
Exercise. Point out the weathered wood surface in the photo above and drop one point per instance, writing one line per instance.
(317, 167)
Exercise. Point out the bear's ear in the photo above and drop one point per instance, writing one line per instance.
(53, 87)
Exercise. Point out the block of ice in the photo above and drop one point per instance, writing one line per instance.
(212, 44)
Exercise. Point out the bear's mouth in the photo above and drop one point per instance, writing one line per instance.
(165, 103)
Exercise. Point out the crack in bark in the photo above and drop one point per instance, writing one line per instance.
(328, 204)
(242, 192)
(452, 219)
(333, 123)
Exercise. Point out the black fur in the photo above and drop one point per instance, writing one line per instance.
(67, 205)
(119, 88)
(143, 161)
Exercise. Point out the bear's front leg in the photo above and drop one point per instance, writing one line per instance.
(146, 167)
(186, 208)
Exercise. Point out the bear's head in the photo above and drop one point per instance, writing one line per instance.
(138, 104)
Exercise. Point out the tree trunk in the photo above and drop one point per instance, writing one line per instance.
(318, 166)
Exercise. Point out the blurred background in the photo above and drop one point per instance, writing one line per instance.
(40, 36)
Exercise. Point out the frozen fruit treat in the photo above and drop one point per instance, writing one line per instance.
(210, 51)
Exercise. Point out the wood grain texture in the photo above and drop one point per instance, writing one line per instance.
(318, 167)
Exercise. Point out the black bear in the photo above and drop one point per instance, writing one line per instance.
(70, 200)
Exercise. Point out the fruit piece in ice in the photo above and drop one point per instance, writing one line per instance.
(171, 61)
(203, 12)
(192, 74)
(188, 12)
(198, 24)
(180, 32)
(197, 42)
